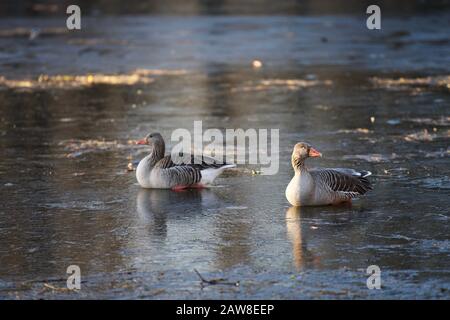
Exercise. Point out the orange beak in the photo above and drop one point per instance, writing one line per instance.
(313, 153)
(142, 141)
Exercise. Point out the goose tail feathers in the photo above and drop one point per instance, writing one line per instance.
(210, 174)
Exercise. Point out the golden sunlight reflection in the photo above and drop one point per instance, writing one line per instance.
(138, 76)
(404, 83)
(289, 84)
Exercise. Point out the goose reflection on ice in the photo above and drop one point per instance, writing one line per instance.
(325, 237)
(298, 233)
(156, 206)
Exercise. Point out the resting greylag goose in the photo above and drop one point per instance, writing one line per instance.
(323, 186)
(162, 172)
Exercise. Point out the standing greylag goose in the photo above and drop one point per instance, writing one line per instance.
(162, 172)
(322, 186)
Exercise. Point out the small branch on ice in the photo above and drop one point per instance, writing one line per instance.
(216, 281)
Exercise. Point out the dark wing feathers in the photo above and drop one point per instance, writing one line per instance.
(196, 163)
(180, 173)
(340, 181)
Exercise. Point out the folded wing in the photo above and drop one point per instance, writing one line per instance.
(177, 171)
(348, 181)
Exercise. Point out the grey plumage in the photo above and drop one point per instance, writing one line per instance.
(159, 171)
(322, 186)
(347, 180)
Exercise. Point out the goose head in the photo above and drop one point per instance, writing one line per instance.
(156, 143)
(152, 139)
(302, 151)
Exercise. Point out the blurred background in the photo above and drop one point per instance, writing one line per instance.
(220, 7)
(72, 102)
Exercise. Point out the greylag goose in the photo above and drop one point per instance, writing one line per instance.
(162, 172)
(323, 186)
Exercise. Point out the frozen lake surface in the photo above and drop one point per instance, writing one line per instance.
(65, 126)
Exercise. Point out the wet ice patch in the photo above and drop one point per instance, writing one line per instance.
(437, 154)
(408, 83)
(357, 130)
(322, 107)
(425, 135)
(77, 205)
(393, 122)
(397, 172)
(374, 157)
(66, 119)
(435, 245)
(32, 33)
(77, 148)
(277, 84)
(433, 182)
(236, 208)
(436, 122)
(442, 121)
